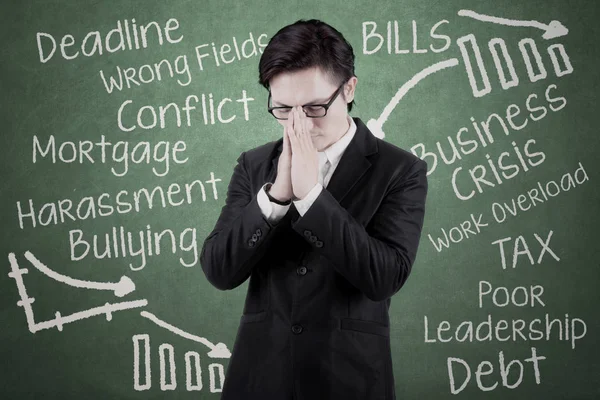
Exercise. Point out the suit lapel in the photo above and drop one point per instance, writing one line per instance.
(353, 163)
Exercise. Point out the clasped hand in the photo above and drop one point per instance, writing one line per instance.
(298, 168)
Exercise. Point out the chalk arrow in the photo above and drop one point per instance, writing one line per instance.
(218, 350)
(552, 30)
(121, 288)
(375, 125)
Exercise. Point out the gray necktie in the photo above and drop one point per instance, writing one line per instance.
(324, 166)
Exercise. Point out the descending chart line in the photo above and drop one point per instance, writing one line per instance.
(219, 350)
(107, 309)
(552, 30)
(121, 288)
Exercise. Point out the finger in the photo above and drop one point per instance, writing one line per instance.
(290, 122)
(297, 123)
(286, 139)
(285, 128)
(305, 132)
(291, 130)
(304, 121)
(294, 120)
(300, 132)
(307, 122)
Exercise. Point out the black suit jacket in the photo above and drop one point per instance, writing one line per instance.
(315, 322)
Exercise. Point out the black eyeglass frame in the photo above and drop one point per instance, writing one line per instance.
(326, 106)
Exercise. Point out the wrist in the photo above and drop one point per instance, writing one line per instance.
(275, 196)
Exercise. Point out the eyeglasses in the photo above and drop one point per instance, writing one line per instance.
(311, 110)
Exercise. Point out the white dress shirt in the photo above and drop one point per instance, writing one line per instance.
(273, 212)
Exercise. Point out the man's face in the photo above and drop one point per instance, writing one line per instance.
(311, 86)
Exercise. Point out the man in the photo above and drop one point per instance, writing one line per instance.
(326, 223)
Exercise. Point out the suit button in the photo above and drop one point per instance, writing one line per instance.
(318, 243)
(258, 232)
(307, 233)
(297, 329)
(313, 238)
(301, 270)
(251, 243)
(254, 237)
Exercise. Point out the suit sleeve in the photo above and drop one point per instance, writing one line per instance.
(241, 235)
(377, 259)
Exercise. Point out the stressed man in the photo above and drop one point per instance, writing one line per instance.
(325, 223)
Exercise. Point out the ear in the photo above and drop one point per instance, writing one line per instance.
(349, 89)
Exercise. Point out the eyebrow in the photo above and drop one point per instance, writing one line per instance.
(319, 101)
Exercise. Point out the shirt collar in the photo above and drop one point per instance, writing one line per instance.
(335, 151)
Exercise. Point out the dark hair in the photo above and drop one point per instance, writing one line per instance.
(307, 44)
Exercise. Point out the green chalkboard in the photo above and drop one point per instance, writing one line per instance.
(499, 97)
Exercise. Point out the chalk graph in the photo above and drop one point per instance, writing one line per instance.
(552, 30)
(120, 289)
